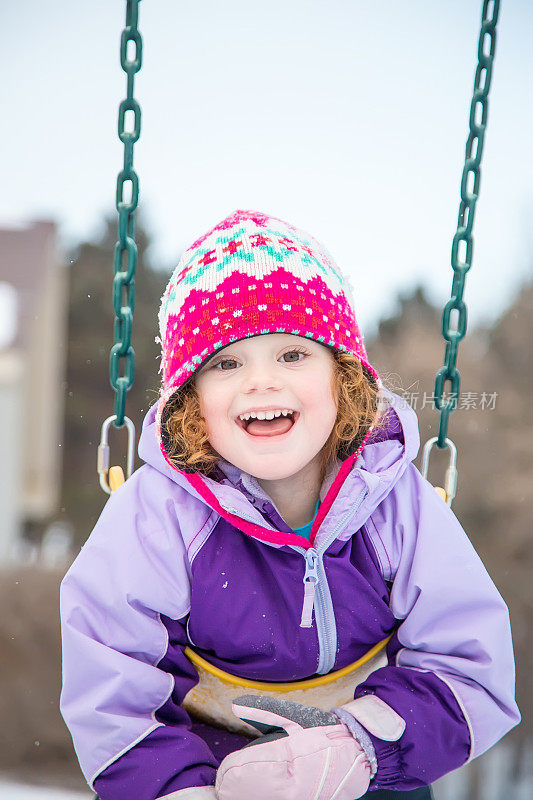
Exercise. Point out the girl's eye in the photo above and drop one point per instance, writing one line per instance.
(291, 352)
(224, 361)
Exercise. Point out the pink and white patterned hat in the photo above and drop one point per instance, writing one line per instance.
(252, 274)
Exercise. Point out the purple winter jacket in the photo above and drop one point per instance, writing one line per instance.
(179, 559)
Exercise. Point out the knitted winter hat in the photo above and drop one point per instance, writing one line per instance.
(252, 274)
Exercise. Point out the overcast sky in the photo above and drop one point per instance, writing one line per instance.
(346, 117)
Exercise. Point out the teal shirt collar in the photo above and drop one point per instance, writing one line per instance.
(305, 530)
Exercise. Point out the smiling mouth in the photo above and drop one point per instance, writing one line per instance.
(274, 424)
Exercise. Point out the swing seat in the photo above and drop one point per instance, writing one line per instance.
(210, 700)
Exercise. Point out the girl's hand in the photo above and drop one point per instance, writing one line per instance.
(304, 752)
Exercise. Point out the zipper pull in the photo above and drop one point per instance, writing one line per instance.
(310, 583)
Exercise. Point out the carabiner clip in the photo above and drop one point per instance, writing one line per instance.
(102, 466)
(450, 480)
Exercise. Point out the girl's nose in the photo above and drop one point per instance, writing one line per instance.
(261, 379)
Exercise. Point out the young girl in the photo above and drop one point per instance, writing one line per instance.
(278, 565)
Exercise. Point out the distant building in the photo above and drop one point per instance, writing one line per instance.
(33, 348)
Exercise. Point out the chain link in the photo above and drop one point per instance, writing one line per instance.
(125, 255)
(463, 244)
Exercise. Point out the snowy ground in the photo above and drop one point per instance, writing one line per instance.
(18, 791)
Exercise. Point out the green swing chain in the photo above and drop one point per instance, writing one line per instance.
(462, 247)
(125, 257)
(125, 260)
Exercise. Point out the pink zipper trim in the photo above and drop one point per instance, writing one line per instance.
(335, 487)
(257, 531)
(333, 491)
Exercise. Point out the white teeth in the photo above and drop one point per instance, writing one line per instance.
(266, 414)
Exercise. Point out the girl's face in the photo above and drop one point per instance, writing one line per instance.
(278, 371)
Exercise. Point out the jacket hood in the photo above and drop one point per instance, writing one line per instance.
(369, 476)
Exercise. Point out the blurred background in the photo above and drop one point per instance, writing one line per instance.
(348, 119)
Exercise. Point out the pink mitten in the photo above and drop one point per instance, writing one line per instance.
(304, 753)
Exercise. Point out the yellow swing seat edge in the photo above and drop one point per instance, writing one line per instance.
(291, 686)
(210, 700)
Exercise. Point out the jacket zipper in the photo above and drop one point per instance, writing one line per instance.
(310, 583)
(318, 596)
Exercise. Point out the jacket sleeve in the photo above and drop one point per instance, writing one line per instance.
(451, 673)
(123, 681)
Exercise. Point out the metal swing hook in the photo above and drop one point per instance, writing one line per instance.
(450, 480)
(116, 475)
